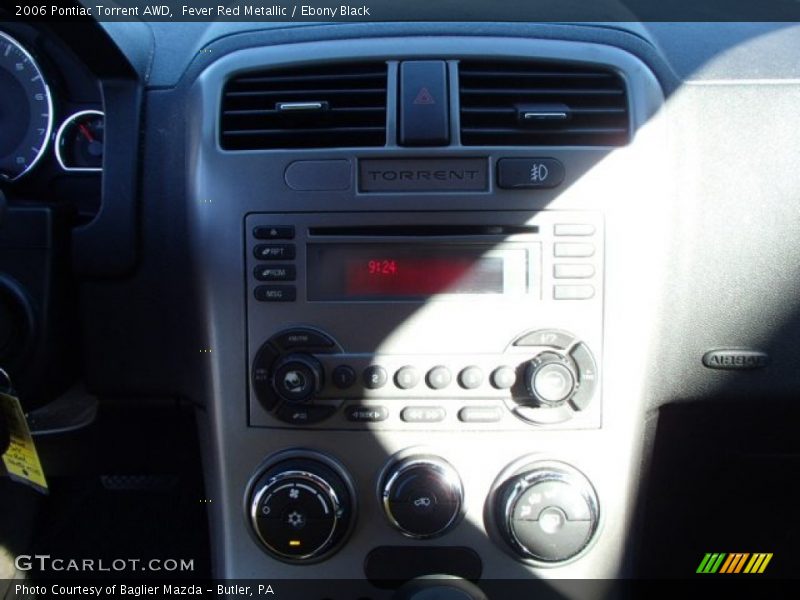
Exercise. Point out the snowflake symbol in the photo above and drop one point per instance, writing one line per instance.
(296, 520)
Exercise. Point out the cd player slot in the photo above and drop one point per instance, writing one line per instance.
(422, 230)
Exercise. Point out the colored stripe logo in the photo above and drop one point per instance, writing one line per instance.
(737, 562)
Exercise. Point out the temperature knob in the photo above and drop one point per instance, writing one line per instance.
(297, 378)
(301, 509)
(550, 379)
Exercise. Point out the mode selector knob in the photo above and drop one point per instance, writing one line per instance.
(297, 378)
(551, 379)
(547, 513)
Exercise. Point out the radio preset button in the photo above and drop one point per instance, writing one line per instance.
(375, 377)
(470, 378)
(274, 251)
(567, 271)
(438, 378)
(406, 378)
(276, 293)
(577, 229)
(275, 273)
(504, 378)
(273, 232)
(573, 250)
(573, 292)
(366, 414)
(422, 414)
(343, 377)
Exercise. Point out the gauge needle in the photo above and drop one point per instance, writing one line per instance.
(86, 133)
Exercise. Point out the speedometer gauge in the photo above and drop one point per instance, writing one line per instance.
(26, 110)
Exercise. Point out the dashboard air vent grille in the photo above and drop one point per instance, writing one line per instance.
(324, 106)
(523, 103)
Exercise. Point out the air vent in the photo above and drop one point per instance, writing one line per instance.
(542, 104)
(325, 106)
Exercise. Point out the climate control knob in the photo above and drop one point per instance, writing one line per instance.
(550, 379)
(301, 508)
(547, 513)
(422, 496)
(297, 377)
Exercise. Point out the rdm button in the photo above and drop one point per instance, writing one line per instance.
(424, 115)
(526, 173)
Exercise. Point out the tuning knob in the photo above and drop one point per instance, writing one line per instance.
(551, 379)
(297, 378)
(301, 508)
(547, 513)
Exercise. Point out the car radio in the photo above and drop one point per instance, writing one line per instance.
(481, 319)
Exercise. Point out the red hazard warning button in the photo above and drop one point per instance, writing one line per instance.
(424, 115)
(424, 97)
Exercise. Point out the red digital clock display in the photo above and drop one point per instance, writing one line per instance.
(388, 272)
(408, 276)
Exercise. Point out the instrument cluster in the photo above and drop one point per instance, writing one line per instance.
(51, 118)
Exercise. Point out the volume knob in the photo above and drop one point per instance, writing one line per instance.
(296, 378)
(551, 379)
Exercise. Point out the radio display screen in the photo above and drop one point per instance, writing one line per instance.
(386, 272)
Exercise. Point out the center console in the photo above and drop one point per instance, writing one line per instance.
(410, 359)
(461, 321)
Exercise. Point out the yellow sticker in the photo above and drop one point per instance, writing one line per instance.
(21, 459)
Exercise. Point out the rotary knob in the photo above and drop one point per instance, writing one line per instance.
(422, 496)
(301, 509)
(550, 379)
(297, 378)
(548, 513)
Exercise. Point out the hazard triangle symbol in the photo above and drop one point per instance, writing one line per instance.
(424, 97)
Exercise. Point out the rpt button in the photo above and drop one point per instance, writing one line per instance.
(274, 251)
